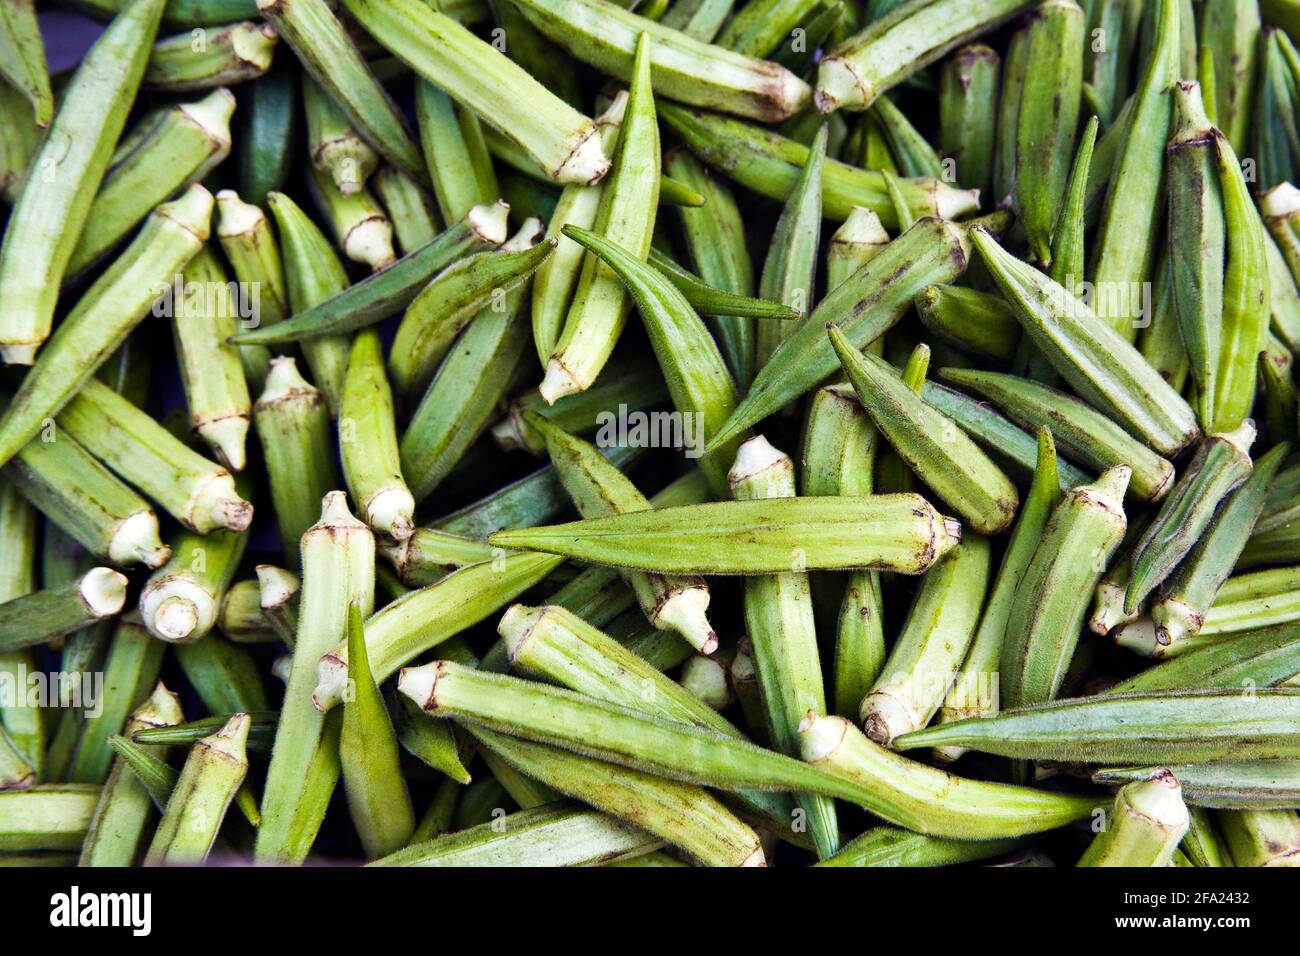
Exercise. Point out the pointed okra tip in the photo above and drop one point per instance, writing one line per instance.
(161, 709)
(1109, 489)
(420, 683)
(103, 591)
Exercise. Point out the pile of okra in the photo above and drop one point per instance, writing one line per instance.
(554, 432)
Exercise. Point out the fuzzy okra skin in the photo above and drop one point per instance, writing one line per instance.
(972, 320)
(1227, 785)
(856, 72)
(1180, 726)
(968, 102)
(106, 313)
(1261, 837)
(598, 488)
(338, 560)
(212, 774)
(197, 492)
(901, 533)
(481, 78)
(361, 229)
(53, 207)
(1147, 823)
(325, 50)
(1265, 657)
(43, 616)
(232, 54)
(782, 633)
(51, 816)
(455, 152)
(1090, 355)
(890, 786)
(626, 217)
(293, 428)
(887, 846)
(368, 442)
(409, 206)
(863, 307)
(940, 453)
(1053, 595)
(1222, 462)
(336, 149)
(116, 829)
(682, 68)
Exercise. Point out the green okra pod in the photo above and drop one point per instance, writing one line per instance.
(22, 137)
(478, 76)
(48, 218)
(1113, 28)
(213, 773)
(693, 368)
(378, 800)
(1122, 258)
(888, 846)
(368, 442)
(931, 444)
(451, 301)
(360, 228)
(293, 428)
(1261, 837)
(791, 266)
(426, 555)
(619, 735)
(1145, 826)
(973, 692)
(261, 729)
(906, 40)
(425, 618)
(769, 164)
(685, 815)
(232, 54)
(115, 832)
(901, 533)
(241, 619)
(197, 492)
(25, 725)
(1052, 597)
(1222, 462)
(1229, 785)
(106, 313)
(1049, 117)
(267, 132)
(327, 53)
(430, 741)
(43, 616)
(279, 592)
(23, 54)
(1252, 600)
(912, 151)
(857, 241)
(1090, 355)
(924, 661)
(625, 216)
(469, 386)
(338, 560)
(1082, 432)
(1231, 33)
(82, 498)
(212, 372)
(455, 152)
(181, 148)
(863, 307)
(975, 321)
(1008, 117)
(335, 148)
(557, 834)
(682, 68)
(967, 103)
(1150, 726)
(180, 601)
(714, 302)
(46, 817)
(409, 207)
(598, 488)
(782, 633)
(700, 19)
(378, 296)
(1263, 657)
(1180, 609)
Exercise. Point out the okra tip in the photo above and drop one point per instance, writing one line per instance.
(884, 717)
(586, 163)
(1159, 798)
(391, 510)
(558, 382)
(175, 619)
(103, 590)
(756, 456)
(516, 626)
(420, 683)
(1280, 201)
(236, 217)
(277, 586)
(1143, 638)
(488, 221)
(838, 84)
(820, 736)
(136, 539)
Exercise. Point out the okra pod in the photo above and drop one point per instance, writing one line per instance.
(42, 616)
(360, 228)
(46, 817)
(409, 207)
(1231, 33)
(1265, 657)
(338, 560)
(967, 103)
(1261, 837)
(213, 773)
(1230, 785)
(105, 315)
(908, 39)
(23, 54)
(975, 321)
(455, 153)
(479, 77)
(326, 52)
(1222, 462)
(336, 149)
(232, 54)
(268, 127)
(1151, 726)
(241, 619)
(1145, 826)
(888, 846)
(48, 218)
(293, 428)
(368, 442)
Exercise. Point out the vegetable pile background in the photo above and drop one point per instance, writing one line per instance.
(550, 433)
